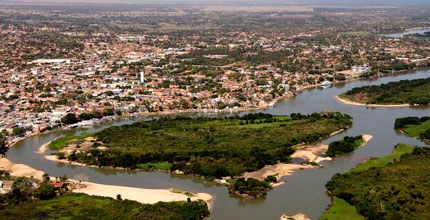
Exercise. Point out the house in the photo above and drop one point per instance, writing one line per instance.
(58, 185)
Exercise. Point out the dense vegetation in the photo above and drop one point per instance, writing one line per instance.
(414, 127)
(4, 147)
(397, 190)
(210, 147)
(249, 188)
(82, 206)
(348, 144)
(413, 92)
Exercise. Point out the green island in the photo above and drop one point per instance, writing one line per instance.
(412, 92)
(251, 188)
(207, 147)
(32, 199)
(347, 145)
(414, 127)
(392, 187)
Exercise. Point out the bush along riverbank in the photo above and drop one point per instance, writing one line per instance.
(347, 145)
(405, 92)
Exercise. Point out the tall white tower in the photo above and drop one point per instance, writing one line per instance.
(142, 77)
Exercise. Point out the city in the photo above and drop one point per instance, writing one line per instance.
(246, 96)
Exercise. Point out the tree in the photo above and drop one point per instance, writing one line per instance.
(46, 191)
(64, 178)
(69, 119)
(18, 131)
(46, 178)
(3, 145)
(108, 112)
(22, 188)
(118, 197)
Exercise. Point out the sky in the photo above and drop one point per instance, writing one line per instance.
(253, 2)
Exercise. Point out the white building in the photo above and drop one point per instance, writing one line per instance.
(142, 77)
(360, 69)
(36, 71)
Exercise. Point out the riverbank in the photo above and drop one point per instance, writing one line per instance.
(307, 157)
(20, 169)
(147, 196)
(349, 102)
(366, 139)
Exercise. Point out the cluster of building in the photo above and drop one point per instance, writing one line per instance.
(111, 74)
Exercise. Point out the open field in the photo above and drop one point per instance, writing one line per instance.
(341, 210)
(399, 150)
(416, 130)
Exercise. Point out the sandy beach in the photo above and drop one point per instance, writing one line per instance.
(308, 153)
(305, 153)
(348, 102)
(299, 216)
(366, 139)
(279, 169)
(149, 196)
(20, 169)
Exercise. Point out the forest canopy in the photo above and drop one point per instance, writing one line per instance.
(209, 147)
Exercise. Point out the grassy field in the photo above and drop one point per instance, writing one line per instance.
(62, 142)
(155, 166)
(341, 210)
(399, 150)
(416, 130)
(210, 147)
(82, 206)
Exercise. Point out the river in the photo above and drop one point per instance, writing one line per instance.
(304, 192)
(408, 32)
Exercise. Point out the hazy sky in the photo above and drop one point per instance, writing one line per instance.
(260, 2)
